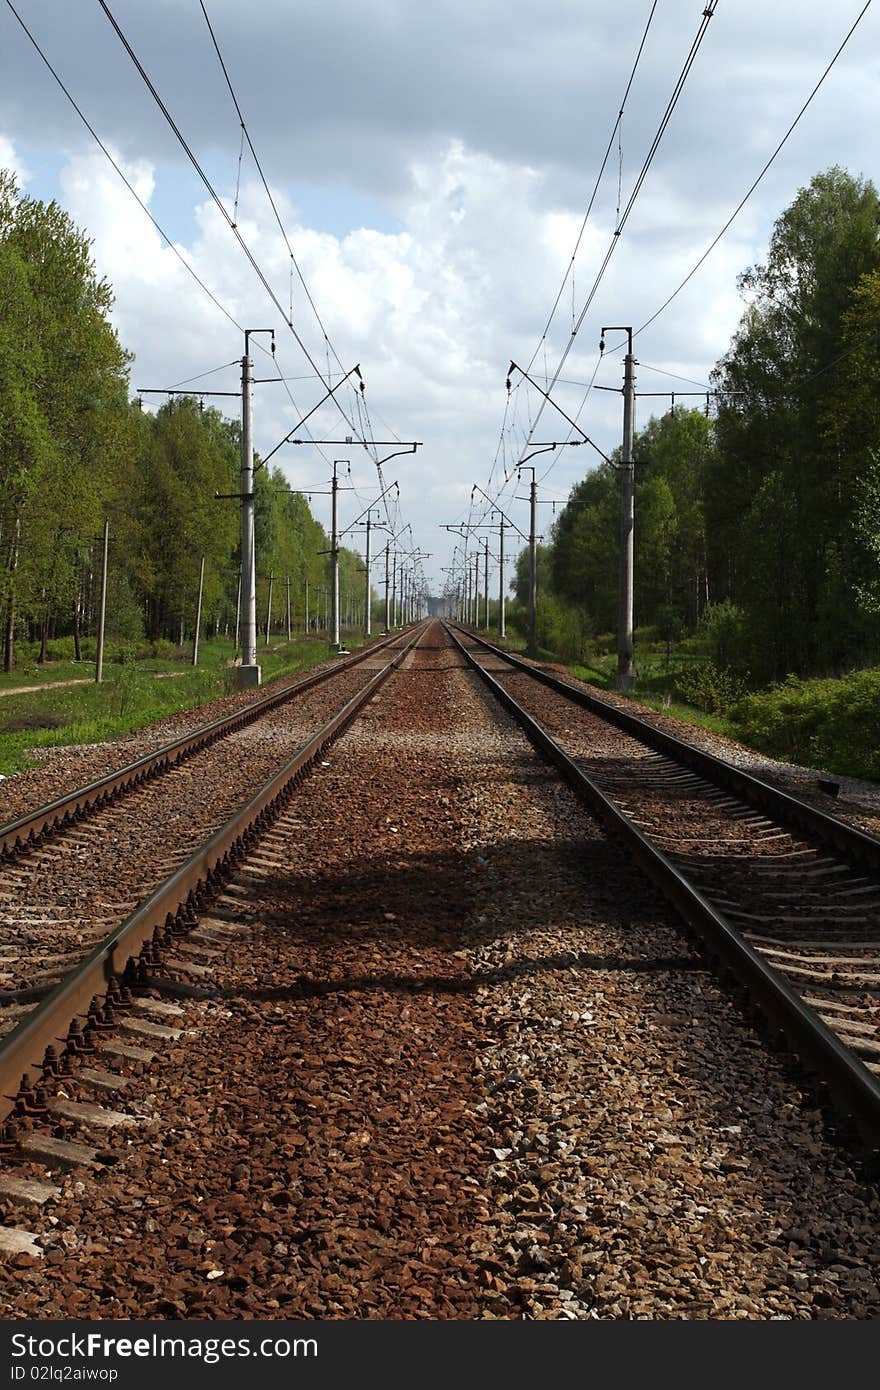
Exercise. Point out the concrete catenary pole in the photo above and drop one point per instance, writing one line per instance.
(486, 579)
(501, 632)
(334, 558)
(626, 676)
(269, 606)
(477, 588)
(532, 649)
(199, 612)
(368, 621)
(625, 670)
(249, 671)
(387, 588)
(288, 609)
(394, 590)
(102, 610)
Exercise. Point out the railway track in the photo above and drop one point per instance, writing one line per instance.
(418, 1043)
(786, 897)
(82, 985)
(76, 868)
(22, 834)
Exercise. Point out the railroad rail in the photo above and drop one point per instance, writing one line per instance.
(22, 834)
(793, 923)
(89, 999)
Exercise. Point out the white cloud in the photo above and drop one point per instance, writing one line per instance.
(478, 130)
(10, 159)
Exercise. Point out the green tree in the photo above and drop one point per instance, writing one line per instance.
(779, 500)
(63, 377)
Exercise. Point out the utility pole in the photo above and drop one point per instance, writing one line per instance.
(501, 632)
(394, 590)
(387, 588)
(307, 604)
(269, 607)
(486, 577)
(533, 569)
(368, 621)
(102, 610)
(238, 611)
(334, 555)
(477, 588)
(199, 612)
(248, 672)
(532, 647)
(288, 610)
(626, 676)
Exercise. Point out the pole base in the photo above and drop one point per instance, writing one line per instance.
(624, 681)
(247, 677)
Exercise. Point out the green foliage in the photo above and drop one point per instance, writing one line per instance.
(833, 724)
(709, 687)
(63, 385)
(789, 498)
(725, 629)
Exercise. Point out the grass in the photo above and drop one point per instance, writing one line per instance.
(132, 695)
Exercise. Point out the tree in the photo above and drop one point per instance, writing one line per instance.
(779, 499)
(63, 379)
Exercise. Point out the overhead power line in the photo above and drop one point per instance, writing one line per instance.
(738, 209)
(215, 197)
(614, 131)
(706, 16)
(259, 167)
(96, 137)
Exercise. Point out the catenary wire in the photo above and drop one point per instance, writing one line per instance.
(96, 137)
(738, 209)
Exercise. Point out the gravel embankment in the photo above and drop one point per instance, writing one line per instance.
(858, 800)
(466, 1066)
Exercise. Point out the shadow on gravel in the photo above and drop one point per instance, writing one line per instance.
(306, 987)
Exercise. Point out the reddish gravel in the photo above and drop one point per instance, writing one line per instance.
(465, 1066)
(62, 770)
(858, 800)
(65, 896)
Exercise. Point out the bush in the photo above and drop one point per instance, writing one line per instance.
(827, 723)
(725, 630)
(709, 687)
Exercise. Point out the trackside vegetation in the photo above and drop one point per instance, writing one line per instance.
(76, 452)
(757, 560)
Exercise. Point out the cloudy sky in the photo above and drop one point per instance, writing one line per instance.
(431, 167)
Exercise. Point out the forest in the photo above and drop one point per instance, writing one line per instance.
(76, 451)
(757, 555)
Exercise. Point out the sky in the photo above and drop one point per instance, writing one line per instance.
(431, 167)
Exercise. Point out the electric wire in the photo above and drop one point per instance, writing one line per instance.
(218, 202)
(99, 142)
(671, 105)
(247, 136)
(738, 209)
(165, 237)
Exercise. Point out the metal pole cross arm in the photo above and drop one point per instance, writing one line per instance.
(326, 397)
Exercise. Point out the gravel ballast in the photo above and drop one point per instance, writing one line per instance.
(466, 1065)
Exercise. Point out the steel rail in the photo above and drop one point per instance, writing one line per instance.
(854, 1090)
(22, 1052)
(18, 835)
(856, 845)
